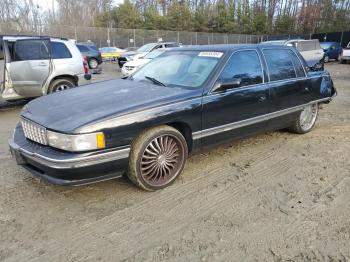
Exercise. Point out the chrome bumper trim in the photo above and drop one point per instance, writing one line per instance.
(84, 161)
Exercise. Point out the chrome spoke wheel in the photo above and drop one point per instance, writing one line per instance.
(308, 117)
(162, 160)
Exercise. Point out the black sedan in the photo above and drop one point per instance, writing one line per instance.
(182, 101)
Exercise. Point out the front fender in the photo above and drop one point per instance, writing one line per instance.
(121, 130)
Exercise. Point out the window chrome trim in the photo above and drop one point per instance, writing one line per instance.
(250, 121)
(222, 69)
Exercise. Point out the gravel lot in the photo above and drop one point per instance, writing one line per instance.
(274, 197)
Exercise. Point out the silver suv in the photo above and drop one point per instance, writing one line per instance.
(36, 66)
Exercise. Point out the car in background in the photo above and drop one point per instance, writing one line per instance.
(131, 66)
(345, 55)
(111, 53)
(143, 50)
(36, 66)
(92, 54)
(309, 49)
(332, 50)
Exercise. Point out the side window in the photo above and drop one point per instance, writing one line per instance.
(83, 48)
(280, 64)
(299, 69)
(59, 51)
(243, 65)
(30, 50)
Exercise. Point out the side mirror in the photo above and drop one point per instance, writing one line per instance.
(228, 84)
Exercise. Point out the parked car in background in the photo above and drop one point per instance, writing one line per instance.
(345, 55)
(143, 50)
(111, 53)
(36, 66)
(309, 49)
(184, 100)
(92, 54)
(332, 50)
(131, 66)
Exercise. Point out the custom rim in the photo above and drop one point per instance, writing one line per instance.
(162, 160)
(326, 59)
(308, 116)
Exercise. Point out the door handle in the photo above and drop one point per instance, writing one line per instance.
(262, 98)
(43, 64)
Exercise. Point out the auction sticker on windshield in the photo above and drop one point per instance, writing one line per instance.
(211, 54)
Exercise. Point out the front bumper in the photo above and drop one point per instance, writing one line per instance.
(84, 79)
(65, 168)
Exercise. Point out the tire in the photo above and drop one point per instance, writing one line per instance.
(326, 59)
(60, 84)
(93, 63)
(157, 157)
(338, 58)
(306, 120)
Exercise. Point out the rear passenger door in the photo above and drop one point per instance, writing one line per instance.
(29, 66)
(289, 86)
(238, 110)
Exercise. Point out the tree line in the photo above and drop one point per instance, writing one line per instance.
(222, 16)
(230, 16)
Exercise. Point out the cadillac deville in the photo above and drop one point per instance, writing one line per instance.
(184, 100)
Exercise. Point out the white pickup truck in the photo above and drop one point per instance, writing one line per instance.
(345, 55)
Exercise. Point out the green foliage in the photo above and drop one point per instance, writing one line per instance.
(229, 16)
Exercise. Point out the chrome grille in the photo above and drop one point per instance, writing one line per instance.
(34, 132)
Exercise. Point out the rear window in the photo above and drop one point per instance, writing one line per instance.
(83, 48)
(280, 64)
(33, 49)
(308, 45)
(59, 51)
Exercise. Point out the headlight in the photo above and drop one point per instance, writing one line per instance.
(76, 143)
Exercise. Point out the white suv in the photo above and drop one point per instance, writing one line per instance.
(36, 66)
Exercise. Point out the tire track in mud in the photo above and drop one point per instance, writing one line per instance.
(124, 222)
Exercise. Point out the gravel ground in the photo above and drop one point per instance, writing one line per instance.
(273, 197)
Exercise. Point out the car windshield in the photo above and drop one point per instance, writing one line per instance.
(186, 68)
(325, 45)
(146, 48)
(154, 54)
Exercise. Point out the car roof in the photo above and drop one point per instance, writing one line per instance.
(20, 37)
(226, 47)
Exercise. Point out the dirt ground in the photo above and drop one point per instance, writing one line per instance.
(272, 197)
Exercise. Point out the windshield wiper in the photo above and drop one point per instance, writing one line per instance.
(155, 81)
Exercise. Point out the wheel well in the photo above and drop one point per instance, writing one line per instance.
(70, 77)
(186, 131)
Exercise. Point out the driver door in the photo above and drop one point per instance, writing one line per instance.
(29, 65)
(238, 110)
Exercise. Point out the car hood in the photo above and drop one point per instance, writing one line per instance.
(72, 109)
(128, 53)
(138, 62)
